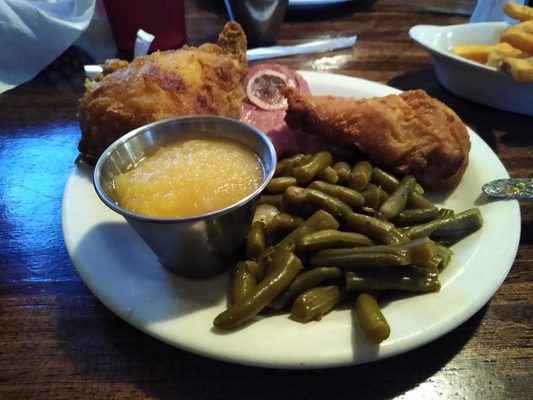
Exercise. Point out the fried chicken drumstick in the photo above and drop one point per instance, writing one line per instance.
(203, 80)
(410, 133)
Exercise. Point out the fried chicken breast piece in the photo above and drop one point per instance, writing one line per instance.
(410, 133)
(203, 80)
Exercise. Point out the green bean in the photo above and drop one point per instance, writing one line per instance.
(361, 257)
(264, 263)
(378, 280)
(284, 222)
(343, 171)
(257, 268)
(305, 280)
(373, 249)
(422, 251)
(416, 216)
(449, 229)
(255, 240)
(360, 175)
(389, 183)
(329, 175)
(265, 213)
(398, 198)
(280, 184)
(271, 199)
(431, 265)
(285, 267)
(298, 199)
(372, 322)
(417, 200)
(285, 166)
(310, 168)
(243, 281)
(314, 303)
(374, 196)
(399, 245)
(336, 207)
(349, 196)
(383, 179)
(375, 229)
(294, 201)
(417, 271)
(331, 238)
(445, 254)
(318, 221)
(446, 212)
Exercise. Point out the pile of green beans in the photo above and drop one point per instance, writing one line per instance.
(327, 232)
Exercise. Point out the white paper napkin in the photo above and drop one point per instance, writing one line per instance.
(33, 33)
(318, 46)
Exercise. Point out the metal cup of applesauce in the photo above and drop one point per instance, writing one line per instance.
(194, 246)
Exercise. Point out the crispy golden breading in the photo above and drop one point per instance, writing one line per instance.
(203, 80)
(410, 133)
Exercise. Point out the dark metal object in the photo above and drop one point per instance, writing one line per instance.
(260, 19)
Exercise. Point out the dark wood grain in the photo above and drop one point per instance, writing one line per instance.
(57, 341)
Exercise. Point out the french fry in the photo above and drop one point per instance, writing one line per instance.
(518, 11)
(526, 26)
(475, 52)
(500, 51)
(518, 38)
(521, 69)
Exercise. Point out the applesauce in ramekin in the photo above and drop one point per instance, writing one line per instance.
(190, 177)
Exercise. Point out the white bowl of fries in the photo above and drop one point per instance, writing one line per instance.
(494, 85)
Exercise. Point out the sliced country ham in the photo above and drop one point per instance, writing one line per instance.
(265, 107)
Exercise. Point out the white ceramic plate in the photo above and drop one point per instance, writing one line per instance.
(314, 3)
(468, 79)
(120, 270)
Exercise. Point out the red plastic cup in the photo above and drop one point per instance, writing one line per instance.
(165, 19)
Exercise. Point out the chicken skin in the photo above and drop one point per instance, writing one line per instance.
(410, 133)
(203, 80)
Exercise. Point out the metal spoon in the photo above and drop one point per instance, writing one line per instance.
(510, 188)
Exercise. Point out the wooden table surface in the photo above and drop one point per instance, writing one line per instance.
(58, 341)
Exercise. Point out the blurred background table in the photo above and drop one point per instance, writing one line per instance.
(59, 342)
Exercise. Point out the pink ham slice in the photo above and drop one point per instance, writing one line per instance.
(265, 108)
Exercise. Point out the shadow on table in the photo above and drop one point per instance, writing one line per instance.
(165, 372)
(493, 125)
